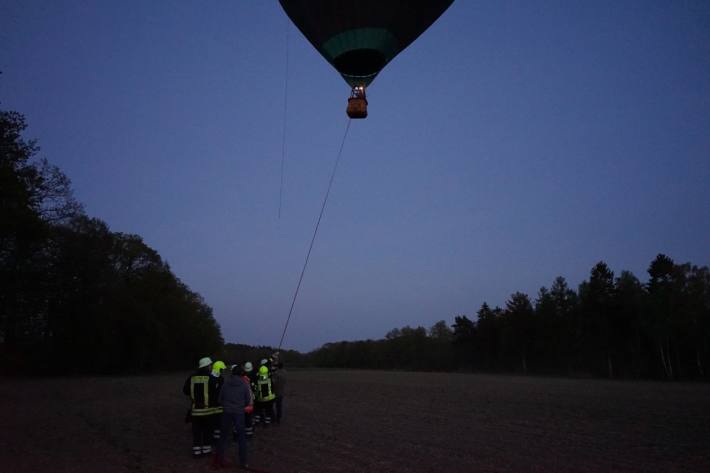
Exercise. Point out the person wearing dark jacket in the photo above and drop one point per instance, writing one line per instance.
(278, 379)
(249, 411)
(235, 397)
(202, 390)
(218, 367)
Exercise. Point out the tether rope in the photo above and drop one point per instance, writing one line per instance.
(283, 137)
(315, 233)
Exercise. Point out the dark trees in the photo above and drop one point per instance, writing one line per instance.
(76, 297)
(613, 327)
(597, 318)
(518, 328)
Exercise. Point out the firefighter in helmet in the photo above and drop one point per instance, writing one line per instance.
(201, 387)
(264, 395)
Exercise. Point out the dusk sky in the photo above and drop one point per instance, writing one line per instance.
(512, 143)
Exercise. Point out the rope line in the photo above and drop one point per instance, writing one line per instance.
(283, 137)
(315, 232)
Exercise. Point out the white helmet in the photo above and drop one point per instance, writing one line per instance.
(248, 367)
(206, 361)
(263, 362)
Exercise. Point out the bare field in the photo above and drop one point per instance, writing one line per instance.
(367, 421)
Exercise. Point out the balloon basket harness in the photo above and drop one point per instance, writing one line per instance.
(357, 103)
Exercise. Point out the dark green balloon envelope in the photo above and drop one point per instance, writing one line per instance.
(360, 37)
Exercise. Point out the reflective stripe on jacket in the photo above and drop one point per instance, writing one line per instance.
(264, 392)
(203, 395)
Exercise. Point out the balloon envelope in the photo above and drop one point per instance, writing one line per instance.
(360, 37)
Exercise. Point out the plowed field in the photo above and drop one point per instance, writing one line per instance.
(365, 421)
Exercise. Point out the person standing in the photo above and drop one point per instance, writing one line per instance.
(235, 397)
(249, 410)
(251, 374)
(219, 370)
(264, 395)
(202, 390)
(278, 379)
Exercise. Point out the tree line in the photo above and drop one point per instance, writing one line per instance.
(76, 297)
(609, 327)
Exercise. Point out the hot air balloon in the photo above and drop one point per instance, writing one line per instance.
(360, 37)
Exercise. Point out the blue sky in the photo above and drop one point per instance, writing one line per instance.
(510, 144)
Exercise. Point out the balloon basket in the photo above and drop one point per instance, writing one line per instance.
(357, 107)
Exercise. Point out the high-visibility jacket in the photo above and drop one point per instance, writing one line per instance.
(264, 391)
(202, 389)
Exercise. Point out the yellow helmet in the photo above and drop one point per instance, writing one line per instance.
(264, 370)
(217, 367)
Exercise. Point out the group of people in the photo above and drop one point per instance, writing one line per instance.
(232, 400)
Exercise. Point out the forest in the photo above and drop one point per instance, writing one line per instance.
(76, 297)
(615, 327)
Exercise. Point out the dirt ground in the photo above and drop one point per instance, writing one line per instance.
(367, 421)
